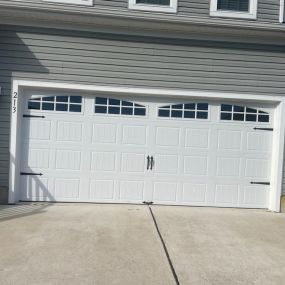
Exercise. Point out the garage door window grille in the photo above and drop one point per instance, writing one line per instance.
(118, 107)
(56, 103)
(185, 111)
(242, 113)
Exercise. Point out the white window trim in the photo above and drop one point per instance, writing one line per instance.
(172, 8)
(74, 2)
(282, 8)
(251, 14)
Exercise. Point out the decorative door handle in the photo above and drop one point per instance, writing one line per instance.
(148, 161)
(151, 162)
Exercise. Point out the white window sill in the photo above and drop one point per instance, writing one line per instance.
(154, 8)
(232, 14)
(73, 2)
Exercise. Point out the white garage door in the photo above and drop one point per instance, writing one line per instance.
(180, 152)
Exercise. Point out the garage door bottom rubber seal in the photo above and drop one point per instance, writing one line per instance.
(164, 247)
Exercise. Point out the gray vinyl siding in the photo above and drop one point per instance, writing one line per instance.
(86, 58)
(268, 10)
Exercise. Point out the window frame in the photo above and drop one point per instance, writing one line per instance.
(72, 2)
(172, 8)
(251, 14)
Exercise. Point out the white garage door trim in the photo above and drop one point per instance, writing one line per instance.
(278, 136)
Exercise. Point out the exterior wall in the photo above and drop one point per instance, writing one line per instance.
(86, 58)
(268, 10)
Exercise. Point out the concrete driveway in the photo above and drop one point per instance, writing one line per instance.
(120, 244)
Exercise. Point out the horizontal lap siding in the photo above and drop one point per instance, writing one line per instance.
(268, 10)
(127, 61)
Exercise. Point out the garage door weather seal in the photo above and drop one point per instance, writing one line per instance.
(164, 247)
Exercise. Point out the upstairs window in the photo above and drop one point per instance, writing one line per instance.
(169, 6)
(245, 9)
(74, 2)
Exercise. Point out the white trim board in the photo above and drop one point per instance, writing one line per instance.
(281, 14)
(278, 137)
(172, 8)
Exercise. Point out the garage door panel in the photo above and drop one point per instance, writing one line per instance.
(103, 161)
(36, 158)
(133, 162)
(37, 129)
(104, 133)
(132, 190)
(69, 131)
(102, 189)
(229, 140)
(196, 165)
(197, 138)
(194, 193)
(227, 194)
(257, 168)
(136, 135)
(68, 159)
(67, 188)
(256, 196)
(259, 141)
(38, 188)
(165, 191)
(166, 163)
(166, 136)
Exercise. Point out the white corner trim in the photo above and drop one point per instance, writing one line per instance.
(278, 136)
(251, 14)
(172, 8)
(74, 2)
(281, 14)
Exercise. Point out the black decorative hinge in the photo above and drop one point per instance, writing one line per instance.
(147, 202)
(260, 183)
(33, 116)
(31, 173)
(264, 129)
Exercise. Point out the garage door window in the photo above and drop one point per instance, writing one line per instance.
(184, 111)
(56, 103)
(243, 113)
(113, 106)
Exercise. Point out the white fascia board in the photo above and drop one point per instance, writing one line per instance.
(172, 8)
(281, 14)
(251, 14)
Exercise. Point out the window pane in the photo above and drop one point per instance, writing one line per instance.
(251, 110)
(263, 118)
(163, 113)
(114, 102)
(202, 106)
(238, 117)
(75, 99)
(189, 106)
(34, 105)
(154, 2)
(114, 110)
(126, 103)
(49, 99)
(251, 118)
(226, 116)
(75, 108)
(233, 5)
(202, 115)
(238, 109)
(226, 107)
(61, 107)
(101, 109)
(176, 114)
(189, 114)
(101, 101)
(61, 98)
(48, 106)
(127, 111)
(139, 112)
(178, 106)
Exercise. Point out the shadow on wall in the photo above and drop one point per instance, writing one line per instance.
(17, 61)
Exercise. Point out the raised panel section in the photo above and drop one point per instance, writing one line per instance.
(37, 187)
(194, 193)
(259, 141)
(256, 195)
(167, 164)
(104, 133)
(67, 188)
(69, 131)
(68, 159)
(133, 162)
(196, 165)
(101, 189)
(227, 166)
(229, 140)
(37, 158)
(135, 135)
(37, 129)
(132, 190)
(227, 194)
(165, 191)
(167, 136)
(197, 138)
(103, 161)
(257, 168)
